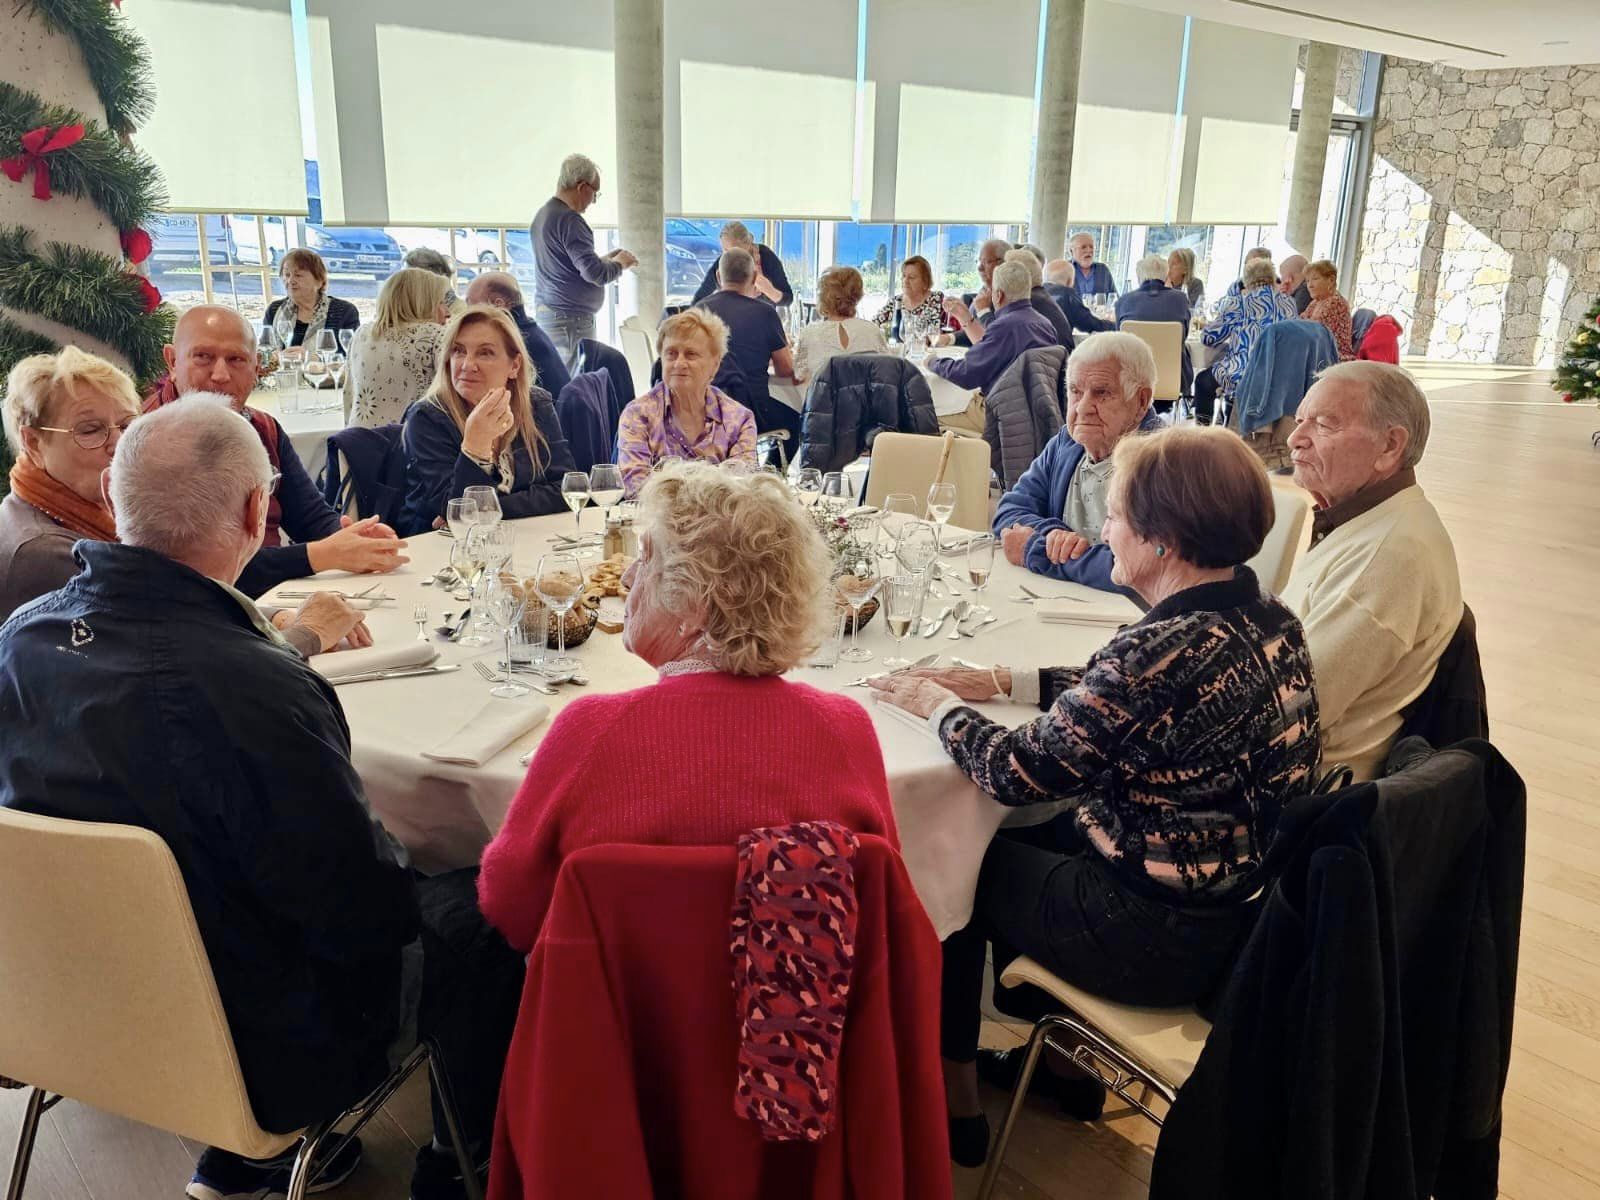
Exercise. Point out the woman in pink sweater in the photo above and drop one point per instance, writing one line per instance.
(729, 591)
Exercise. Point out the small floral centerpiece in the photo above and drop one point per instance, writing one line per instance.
(850, 542)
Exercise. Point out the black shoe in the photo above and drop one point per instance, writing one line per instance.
(437, 1176)
(969, 1140)
(1078, 1094)
(220, 1175)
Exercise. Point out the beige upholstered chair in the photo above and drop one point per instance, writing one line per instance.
(638, 347)
(1165, 339)
(1276, 558)
(109, 998)
(906, 462)
(1154, 1048)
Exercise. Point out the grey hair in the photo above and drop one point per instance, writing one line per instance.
(425, 259)
(1035, 251)
(1151, 266)
(1394, 401)
(738, 233)
(1073, 240)
(1012, 280)
(1256, 252)
(736, 267)
(501, 287)
(576, 169)
(1059, 270)
(1136, 362)
(998, 246)
(181, 471)
(1258, 271)
(1031, 264)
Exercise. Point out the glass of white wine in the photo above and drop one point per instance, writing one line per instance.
(902, 603)
(808, 485)
(941, 503)
(605, 488)
(466, 559)
(575, 490)
(980, 559)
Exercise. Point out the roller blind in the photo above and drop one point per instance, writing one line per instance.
(953, 109)
(1240, 84)
(760, 109)
(430, 114)
(226, 128)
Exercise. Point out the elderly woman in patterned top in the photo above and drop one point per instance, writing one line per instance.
(1237, 328)
(1174, 751)
(1328, 307)
(683, 416)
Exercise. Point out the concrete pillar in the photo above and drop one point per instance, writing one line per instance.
(1058, 120)
(641, 173)
(1311, 146)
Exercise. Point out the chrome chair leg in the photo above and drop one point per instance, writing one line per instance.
(452, 1120)
(1019, 1096)
(305, 1160)
(26, 1137)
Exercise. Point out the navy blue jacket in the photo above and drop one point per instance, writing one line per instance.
(1153, 300)
(549, 368)
(142, 694)
(437, 471)
(1051, 311)
(771, 267)
(584, 407)
(306, 518)
(1077, 312)
(1039, 499)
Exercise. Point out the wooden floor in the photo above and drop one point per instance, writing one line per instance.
(1518, 485)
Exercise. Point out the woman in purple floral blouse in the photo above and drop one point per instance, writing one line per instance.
(683, 416)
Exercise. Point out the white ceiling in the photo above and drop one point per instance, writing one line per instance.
(1465, 33)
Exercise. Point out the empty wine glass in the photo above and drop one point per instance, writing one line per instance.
(346, 336)
(495, 545)
(575, 491)
(834, 492)
(941, 503)
(559, 582)
(605, 488)
(855, 588)
(460, 515)
(808, 485)
(504, 602)
(327, 346)
(336, 368)
(980, 560)
(487, 500)
(902, 605)
(903, 503)
(917, 548)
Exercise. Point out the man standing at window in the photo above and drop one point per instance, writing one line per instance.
(572, 278)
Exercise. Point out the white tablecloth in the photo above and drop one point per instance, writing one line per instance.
(446, 814)
(308, 431)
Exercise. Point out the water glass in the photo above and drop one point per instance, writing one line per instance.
(504, 602)
(559, 581)
(605, 488)
(835, 492)
(980, 560)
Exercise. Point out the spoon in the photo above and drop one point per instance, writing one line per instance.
(961, 613)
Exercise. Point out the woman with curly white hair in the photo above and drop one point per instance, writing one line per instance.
(730, 590)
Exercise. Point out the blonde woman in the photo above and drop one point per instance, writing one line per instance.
(839, 331)
(394, 359)
(484, 423)
(1180, 275)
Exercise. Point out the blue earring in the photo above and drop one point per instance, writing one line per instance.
(1161, 551)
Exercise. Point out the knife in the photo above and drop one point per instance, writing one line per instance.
(398, 673)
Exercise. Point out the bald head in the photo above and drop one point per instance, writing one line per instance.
(498, 288)
(1291, 271)
(213, 349)
(1058, 270)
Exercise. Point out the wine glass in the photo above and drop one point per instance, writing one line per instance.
(559, 581)
(980, 560)
(575, 491)
(855, 587)
(267, 351)
(504, 602)
(902, 604)
(941, 503)
(487, 501)
(466, 559)
(834, 493)
(916, 548)
(327, 346)
(336, 367)
(346, 336)
(808, 485)
(605, 488)
(495, 543)
(460, 515)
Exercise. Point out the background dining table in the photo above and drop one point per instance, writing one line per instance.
(445, 813)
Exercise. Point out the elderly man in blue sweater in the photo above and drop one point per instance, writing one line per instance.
(1050, 522)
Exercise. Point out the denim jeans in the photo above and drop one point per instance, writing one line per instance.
(566, 328)
(1044, 893)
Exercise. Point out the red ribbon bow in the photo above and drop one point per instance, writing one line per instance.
(148, 292)
(36, 143)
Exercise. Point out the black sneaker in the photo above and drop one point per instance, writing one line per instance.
(1078, 1094)
(969, 1140)
(220, 1175)
(438, 1176)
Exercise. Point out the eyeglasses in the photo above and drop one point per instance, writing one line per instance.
(272, 484)
(90, 435)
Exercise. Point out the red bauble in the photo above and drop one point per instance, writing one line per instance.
(136, 245)
(1566, 397)
(149, 291)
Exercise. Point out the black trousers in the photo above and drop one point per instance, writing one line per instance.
(1205, 396)
(1042, 892)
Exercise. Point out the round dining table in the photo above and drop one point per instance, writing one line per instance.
(445, 813)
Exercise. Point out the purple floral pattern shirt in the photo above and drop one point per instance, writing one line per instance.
(649, 433)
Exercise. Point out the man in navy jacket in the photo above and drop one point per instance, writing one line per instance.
(500, 288)
(1050, 521)
(1153, 300)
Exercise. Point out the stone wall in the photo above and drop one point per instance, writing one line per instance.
(1482, 224)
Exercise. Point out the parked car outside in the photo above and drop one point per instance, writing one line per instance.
(347, 249)
(691, 251)
(175, 240)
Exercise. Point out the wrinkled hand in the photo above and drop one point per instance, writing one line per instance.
(1063, 545)
(363, 547)
(968, 684)
(983, 299)
(488, 421)
(1014, 541)
(766, 287)
(916, 695)
(626, 257)
(333, 619)
(954, 307)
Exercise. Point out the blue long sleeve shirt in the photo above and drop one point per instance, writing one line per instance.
(1015, 328)
(307, 517)
(572, 277)
(1097, 279)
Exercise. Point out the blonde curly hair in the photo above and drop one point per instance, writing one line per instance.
(735, 550)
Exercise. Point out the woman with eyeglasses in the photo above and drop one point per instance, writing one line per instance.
(64, 414)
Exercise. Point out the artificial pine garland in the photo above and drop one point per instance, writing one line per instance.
(113, 53)
(1578, 372)
(118, 180)
(15, 343)
(87, 290)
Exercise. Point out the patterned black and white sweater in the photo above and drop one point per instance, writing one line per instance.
(1179, 742)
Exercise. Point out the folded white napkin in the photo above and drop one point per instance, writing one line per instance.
(1110, 612)
(341, 664)
(490, 730)
(909, 718)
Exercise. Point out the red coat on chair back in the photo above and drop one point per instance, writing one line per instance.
(1382, 343)
(619, 1084)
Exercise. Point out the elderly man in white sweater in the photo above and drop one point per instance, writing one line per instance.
(1378, 591)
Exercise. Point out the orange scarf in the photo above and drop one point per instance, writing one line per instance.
(61, 504)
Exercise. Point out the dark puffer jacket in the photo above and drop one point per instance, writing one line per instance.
(853, 398)
(1025, 409)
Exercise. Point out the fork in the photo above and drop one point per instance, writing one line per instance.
(419, 614)
(492, 676)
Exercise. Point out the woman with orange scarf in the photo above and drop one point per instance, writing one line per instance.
(64, 415)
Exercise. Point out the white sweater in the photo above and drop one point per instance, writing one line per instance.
(1380, 598)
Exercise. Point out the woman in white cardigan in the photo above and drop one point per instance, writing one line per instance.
(840, 331)
(393, 359)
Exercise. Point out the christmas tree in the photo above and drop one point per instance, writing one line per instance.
(1578, 372)
(74, 192)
